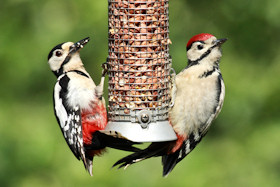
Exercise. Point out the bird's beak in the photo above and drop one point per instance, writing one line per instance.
(219, 42)
(78, 45)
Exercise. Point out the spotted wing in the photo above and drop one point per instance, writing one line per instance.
(69, 118)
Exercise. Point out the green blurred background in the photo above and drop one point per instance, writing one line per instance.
(242, 147)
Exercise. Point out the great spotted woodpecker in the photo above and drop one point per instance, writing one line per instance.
(79, 106)
(199, 97)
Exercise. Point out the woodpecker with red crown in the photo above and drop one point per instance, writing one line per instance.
(79, 106)
(198, 100)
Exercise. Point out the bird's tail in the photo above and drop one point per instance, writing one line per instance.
(169, 161)
(155, 149)
(88, 165)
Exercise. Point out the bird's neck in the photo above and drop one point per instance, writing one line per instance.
(202, 68)
(75, 64)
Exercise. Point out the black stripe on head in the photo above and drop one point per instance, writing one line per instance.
(60, 70)
(66, 60)
(195, 62)
(190, 46)
(59, 46)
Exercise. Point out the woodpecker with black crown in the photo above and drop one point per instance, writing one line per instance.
(198, 99)
(79, 106)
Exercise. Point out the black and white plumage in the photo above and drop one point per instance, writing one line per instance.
(198, 100)
(76, 97)
(69, 118)
(79, 106)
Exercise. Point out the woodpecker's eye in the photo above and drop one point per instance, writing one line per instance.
(58, 53)
(199, 47)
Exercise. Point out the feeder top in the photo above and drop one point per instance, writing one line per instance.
(198, 37)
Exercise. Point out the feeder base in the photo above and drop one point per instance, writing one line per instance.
(154, 132)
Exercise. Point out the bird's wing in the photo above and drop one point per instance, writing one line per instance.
(69, 118)
(218, 107)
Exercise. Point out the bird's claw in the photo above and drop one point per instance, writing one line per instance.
(105, 68)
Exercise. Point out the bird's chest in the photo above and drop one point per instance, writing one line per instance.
(81, 93)
(196, 99)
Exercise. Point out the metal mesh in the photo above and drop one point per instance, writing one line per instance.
(139, 62)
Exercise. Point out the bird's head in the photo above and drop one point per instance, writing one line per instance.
(204, 46)
(66, 56)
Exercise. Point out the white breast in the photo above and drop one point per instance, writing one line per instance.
(81, 91)
(195, 101)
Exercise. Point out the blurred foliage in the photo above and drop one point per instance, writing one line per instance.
(242, 147)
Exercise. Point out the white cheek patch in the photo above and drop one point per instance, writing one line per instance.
(56, 62)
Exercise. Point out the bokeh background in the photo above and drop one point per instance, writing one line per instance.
(242, 147)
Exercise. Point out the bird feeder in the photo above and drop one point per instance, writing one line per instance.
(139, 67)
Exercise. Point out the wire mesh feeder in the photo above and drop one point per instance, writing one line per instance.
(139, 70)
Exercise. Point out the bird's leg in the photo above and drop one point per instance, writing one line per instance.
(99, 88)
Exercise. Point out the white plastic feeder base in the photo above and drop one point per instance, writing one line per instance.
(154, 132)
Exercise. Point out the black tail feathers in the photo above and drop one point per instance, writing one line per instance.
(169, 162)
(154, 150)
(101, 140)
